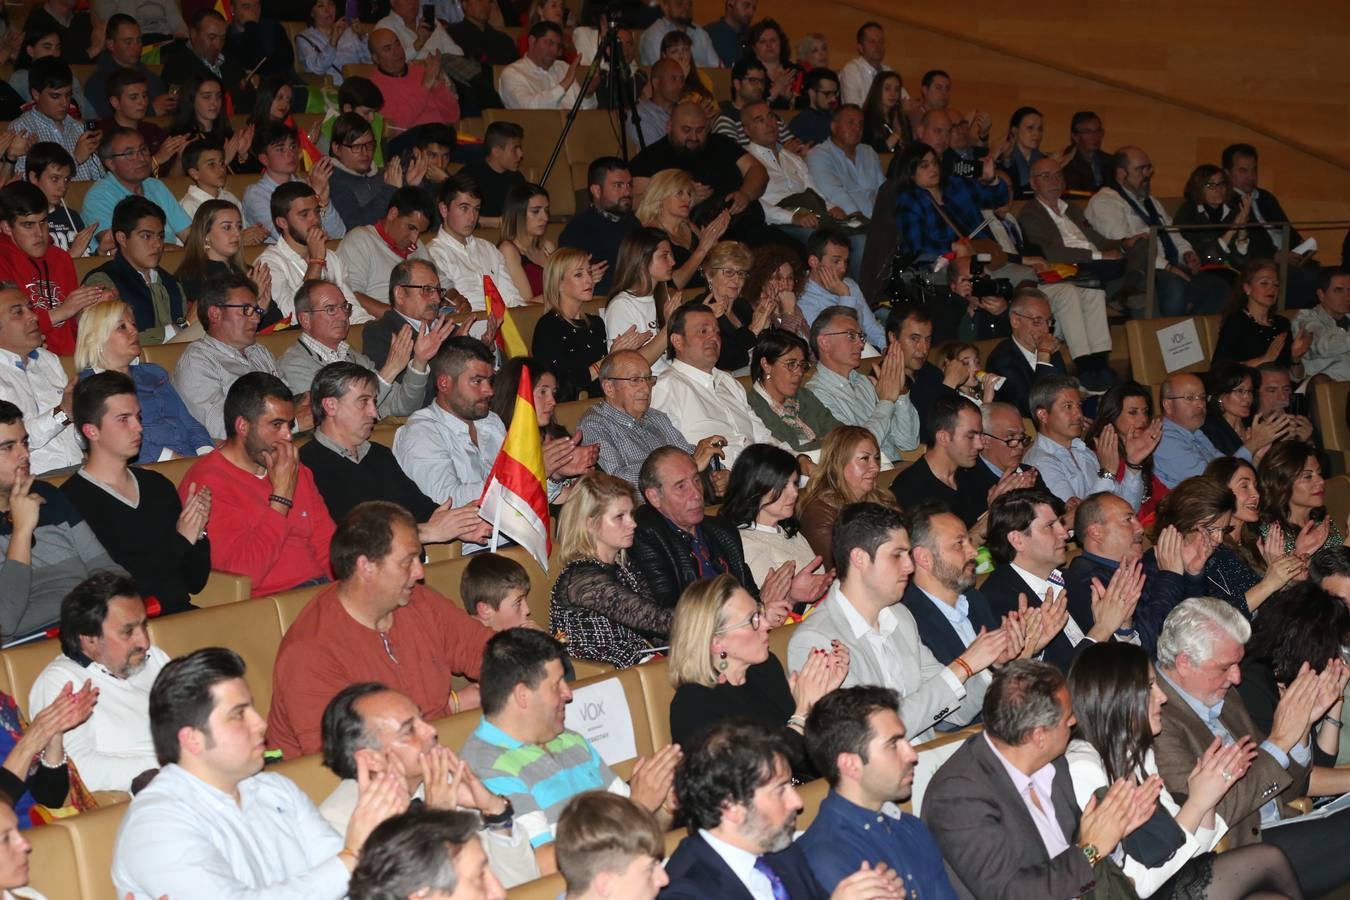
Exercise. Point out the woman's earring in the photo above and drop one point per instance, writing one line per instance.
(722, 661)
(768, 376)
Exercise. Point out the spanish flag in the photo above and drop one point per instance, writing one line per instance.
(309, 152)
(223, 7)
(509, 340)
(515, 499)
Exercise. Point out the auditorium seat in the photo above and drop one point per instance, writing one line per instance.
(1333, 418)
(1146, 355)
(250, 628)
(1337, 498)
(309, 774)
(92, 836)
(289, 603)
(569, 414)
(52, 863)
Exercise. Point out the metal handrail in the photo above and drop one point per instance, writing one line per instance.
(1286, 228)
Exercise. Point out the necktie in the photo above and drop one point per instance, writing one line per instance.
(775, 883)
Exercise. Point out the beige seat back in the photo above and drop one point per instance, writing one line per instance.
(93, 835)
(53, 871)
(658, 694)
(23, 665)
(250, 629)
(309, 774)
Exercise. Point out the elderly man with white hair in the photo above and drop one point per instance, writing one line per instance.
(1199, 650)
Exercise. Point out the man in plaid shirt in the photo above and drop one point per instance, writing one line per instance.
(50, 84)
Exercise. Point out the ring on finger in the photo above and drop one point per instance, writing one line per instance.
(1227, 775)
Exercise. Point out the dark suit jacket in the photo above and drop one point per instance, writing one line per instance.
(1262, 245)
(1184, 739)
(988, 838)
(936, 632)
(698, 873)
(983, 478)
(664, 555)
(377, 337)
(1078, 173)
(1162, 592)
(1001, 590)
(1039, 229)
(1007, 360)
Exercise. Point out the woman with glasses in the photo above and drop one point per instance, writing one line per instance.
(768, 43)
(567, 339)
(1252, 332)
(1206, 203)
(738, 322)
(1229, 423)
(524, 238)
(761, 500)
(1118, 704)
(214, 247)
(1247, 568)
(642, 299)
(1128, 407)
(721, 668)
(666, 205)
(601, 606)
(777, 368)
(850, 461)
(1293, 496)
(357, 189)
(329, 43)
(109, 341)
(777, 277)
(1301, 625)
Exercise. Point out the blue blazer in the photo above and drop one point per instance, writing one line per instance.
(936, 632)
(698, 873)
(1001, 589)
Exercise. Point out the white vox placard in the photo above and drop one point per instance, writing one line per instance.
(599, 713)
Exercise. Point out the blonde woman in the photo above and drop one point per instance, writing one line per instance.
(215, 246)
(721, 668)
(666, 205)
(108, 341)
(847, 473)
(568, 340)
(601, 606)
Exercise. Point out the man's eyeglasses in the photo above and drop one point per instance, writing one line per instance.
(1189, 398)
(854, 336)
(648, 380)
(1217, 533)
(1017, 440)
(333, 309)
(247, 310)
(142, 150)
(361, 146)
(1037, 321)
(426, 289)
(753, 621)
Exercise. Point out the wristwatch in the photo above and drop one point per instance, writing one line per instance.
(59, 415)
(1090, 852)
(1109, 476)
(501, 819)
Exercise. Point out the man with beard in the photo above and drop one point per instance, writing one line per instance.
(268, 520)
(229, 307)
(377, 623)
(105, 646)
(735, 791)
(301, 252)
(725, 175)
(601, 228)
(941, 595)
(856, 739)
(1125, 210)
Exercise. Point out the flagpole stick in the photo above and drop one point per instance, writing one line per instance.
(496, 526)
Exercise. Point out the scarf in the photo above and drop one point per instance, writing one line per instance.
(400, 252)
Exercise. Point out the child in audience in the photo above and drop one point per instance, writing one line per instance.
(204, 163)
(494, 589)
(50, 168)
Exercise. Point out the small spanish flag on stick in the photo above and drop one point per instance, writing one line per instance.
(309, 152)
(509, 340)
(515, 499)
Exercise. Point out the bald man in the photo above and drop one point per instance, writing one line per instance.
(1124, 211)
(667, 83)
(414, 93)
(1184, 450)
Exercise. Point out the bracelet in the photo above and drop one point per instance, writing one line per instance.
(454, 698)
(1130, 465)
(797, 720)
(350, 854)
(42, 757)
(284, 501)
(965, 666)
(1328, 720)
(318, 262)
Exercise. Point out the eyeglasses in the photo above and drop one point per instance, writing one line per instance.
(648, 380)
(361, 146)
(792, 365)
(142, 150)
(1017, 440)
(1217, 533)
(855, 336)
(426, 289)
(734, 273)
(333, 309)
(1241, 392)
(247, 310)
(1037, 321)
(1189, 398)
(753, 621)
(1213, 185)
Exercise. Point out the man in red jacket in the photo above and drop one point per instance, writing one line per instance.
(376, 624)
(42, 270)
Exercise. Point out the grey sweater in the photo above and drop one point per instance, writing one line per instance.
(65, 553)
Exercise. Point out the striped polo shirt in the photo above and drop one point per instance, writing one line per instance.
(538, 779)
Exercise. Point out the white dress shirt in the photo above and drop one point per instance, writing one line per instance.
(1072, 472)
(113, 745)
(788, 175)
(434, 449)
(855, 80)
(742, 865)
(523, 85)
(195, 197)
(1039, 586)
(34, 383)
(440, 39)
(1108, 212)
(701, 404)
(649, 44)
(464, 265)
(1070, 233)
(288, 270)
(184, 838)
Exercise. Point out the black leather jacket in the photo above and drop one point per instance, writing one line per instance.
(665, 557)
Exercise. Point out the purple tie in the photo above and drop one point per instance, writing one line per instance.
(775, 883)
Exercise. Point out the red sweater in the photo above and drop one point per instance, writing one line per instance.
(249, 537)
(325, 650)
(407, 104)
(47, 281)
